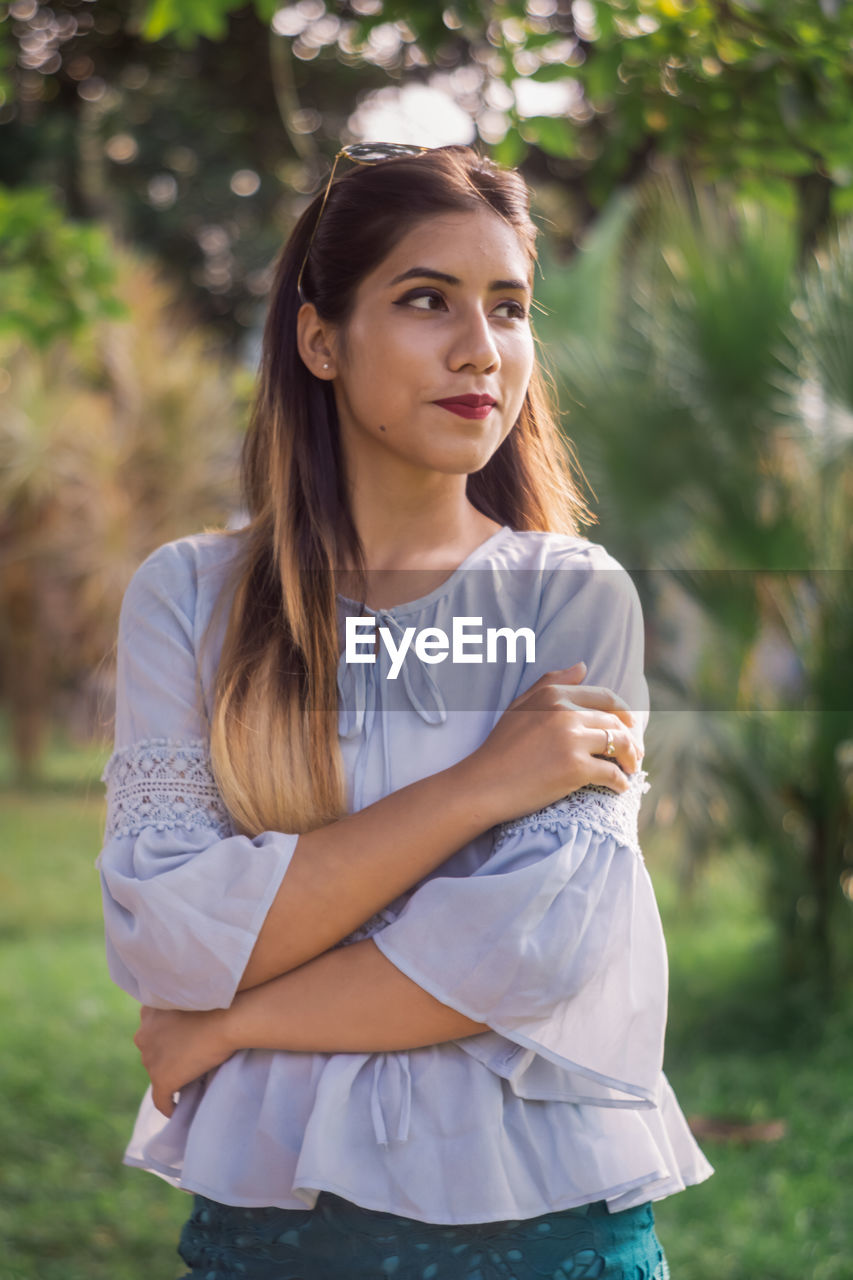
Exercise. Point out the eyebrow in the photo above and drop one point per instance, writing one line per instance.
(431, 274)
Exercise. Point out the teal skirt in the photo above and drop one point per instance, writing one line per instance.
(337, 1240)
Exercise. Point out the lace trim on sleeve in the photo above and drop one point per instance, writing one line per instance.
(162, 784)
(609, 813)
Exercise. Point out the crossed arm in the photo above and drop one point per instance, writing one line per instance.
(302, 992)
(348, 1000)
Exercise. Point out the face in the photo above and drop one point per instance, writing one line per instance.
(431, 369)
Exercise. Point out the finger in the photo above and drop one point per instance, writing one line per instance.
(627, 754)
(604, 699)
(606, 773)
(163, 1101)
(565, 675)
(598, 697)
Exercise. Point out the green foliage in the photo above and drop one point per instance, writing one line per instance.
(555, 136)
(56, 276)
(187, 20)
(691, 342)
(582, 297)
(757, 93)
(755, 89)
(7, 59)
(827, 321)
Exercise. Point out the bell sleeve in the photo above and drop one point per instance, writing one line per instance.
(555, 940)
(184, 897)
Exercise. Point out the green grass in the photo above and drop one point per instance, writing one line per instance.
(739, 1045)
(70, 1078)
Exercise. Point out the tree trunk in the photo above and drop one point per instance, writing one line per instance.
(814, 196)
(24, 663)
(820, 875)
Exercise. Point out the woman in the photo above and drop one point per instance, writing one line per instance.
(402, 971)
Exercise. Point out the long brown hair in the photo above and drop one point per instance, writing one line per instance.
(274, 739)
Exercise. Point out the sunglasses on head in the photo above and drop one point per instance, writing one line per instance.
(364, 153)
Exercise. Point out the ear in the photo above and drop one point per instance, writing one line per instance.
(314, 338)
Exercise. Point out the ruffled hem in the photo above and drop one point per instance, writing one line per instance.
(474, 1153)
(534, 1070)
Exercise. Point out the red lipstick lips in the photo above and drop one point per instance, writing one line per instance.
(468, 406)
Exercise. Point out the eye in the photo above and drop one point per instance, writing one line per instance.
(514, 310)
(422, 300)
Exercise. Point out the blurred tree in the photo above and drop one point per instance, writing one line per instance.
(198, 128)
(760, 89)
(182, 151)
(109, 446)
(711, 399)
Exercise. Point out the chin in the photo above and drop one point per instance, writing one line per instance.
(460, 464)
(461, 457)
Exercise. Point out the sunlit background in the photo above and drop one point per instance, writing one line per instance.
(692, 171)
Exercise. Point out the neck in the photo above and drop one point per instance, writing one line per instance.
(414, 519)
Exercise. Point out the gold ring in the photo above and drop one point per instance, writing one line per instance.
(610, 749)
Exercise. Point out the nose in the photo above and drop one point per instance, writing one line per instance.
(474, 344)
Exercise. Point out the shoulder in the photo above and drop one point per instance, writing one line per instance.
(588, 609)
(549, 552)
(182, 575)
(568, 568)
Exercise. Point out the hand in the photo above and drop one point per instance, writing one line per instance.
(177, 1046)
(549, 742)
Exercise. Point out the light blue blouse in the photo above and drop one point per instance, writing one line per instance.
(545, 928)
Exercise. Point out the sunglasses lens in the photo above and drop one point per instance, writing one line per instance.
(371, 152)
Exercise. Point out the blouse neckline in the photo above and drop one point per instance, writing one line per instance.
(410, 606)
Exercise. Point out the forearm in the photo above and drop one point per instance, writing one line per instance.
(342, 874)
(349, 1000)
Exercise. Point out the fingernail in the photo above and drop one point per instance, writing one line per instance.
(582, 666)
